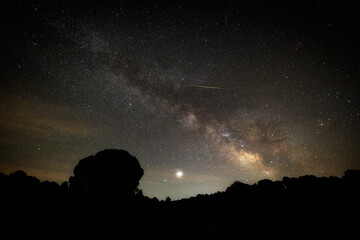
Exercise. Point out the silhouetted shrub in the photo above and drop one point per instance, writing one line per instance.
(352, 176)
(110, 173)
(238, 189)
(64, 185)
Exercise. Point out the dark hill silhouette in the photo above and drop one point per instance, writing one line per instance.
(302, 207)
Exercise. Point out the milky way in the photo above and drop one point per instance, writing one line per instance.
(217, 91)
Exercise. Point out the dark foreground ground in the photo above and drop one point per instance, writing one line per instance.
(294, 208)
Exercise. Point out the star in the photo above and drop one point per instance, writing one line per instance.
(179, 174)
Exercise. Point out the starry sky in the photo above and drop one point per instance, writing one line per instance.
(203, 93)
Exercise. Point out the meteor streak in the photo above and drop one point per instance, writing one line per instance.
(205, 86)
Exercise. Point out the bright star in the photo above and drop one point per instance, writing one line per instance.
(179, 174)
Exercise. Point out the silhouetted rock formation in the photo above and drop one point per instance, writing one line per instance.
(290, 208)
(110, 173)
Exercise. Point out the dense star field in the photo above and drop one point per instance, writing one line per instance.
(203, 93)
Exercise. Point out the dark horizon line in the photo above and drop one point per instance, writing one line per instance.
(349, 171)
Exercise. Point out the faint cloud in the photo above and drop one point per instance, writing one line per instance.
(34, 118)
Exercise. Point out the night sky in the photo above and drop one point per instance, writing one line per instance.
(203, 93)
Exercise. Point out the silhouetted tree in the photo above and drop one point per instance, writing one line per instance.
(352, 176)
(139, 192)
(110, 173)
(65, 185)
